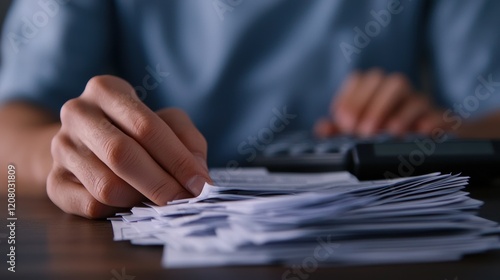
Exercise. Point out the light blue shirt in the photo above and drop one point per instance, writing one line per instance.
(245, 70)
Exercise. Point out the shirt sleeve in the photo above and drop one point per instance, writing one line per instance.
(51, 48)
(464, 49)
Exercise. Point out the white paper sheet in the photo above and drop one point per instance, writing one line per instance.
(251, 216)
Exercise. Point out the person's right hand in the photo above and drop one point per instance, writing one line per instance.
(374, 102)
(114, 152)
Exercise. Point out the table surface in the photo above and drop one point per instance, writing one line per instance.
(51, 244)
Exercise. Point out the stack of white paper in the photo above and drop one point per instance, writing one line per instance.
(254, 217)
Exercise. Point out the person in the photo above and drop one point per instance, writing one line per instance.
(106, 104)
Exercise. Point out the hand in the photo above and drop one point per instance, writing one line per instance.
(373, 102)
(114, 152)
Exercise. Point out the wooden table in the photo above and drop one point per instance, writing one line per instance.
(55, 245)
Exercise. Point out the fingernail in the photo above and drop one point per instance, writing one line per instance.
(195, 184)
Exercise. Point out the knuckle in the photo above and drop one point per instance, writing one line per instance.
(72, 107)
(105, 189)
(144, 128)
(56, 179)
(83, 206)
(160, 193)
(118, 153)
(56, 145)
(97, 83)
(180, 166)
(65, 153)
(92, 209)
(53, 181)
(107, 84)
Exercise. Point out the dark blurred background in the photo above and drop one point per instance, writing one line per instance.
(4, 5)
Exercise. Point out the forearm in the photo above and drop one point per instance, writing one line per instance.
(27, 133)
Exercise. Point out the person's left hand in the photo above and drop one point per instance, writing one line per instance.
(373, 102)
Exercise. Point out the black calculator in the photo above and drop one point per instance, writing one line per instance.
(382, 156)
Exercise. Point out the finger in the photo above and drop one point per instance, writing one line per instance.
(404, 120)
(391, 94)
(186, 131)
(324, 128)
(95, 176)
(73, 198)
(347, 88)
(122, 154)
(354, 103)
(430, 121)
(119, 102)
